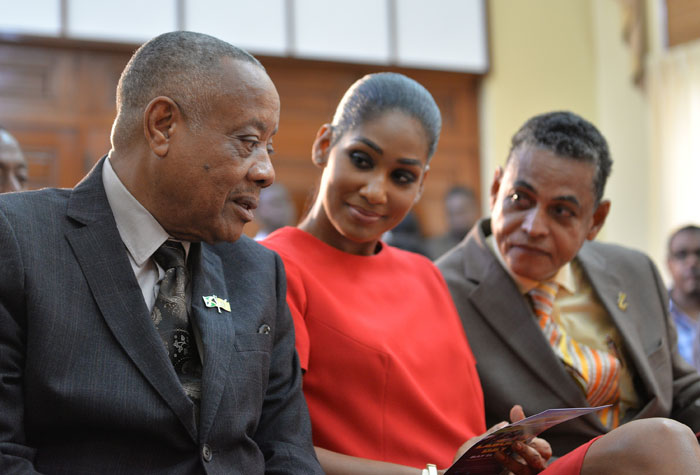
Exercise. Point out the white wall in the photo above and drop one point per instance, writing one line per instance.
(439, 34)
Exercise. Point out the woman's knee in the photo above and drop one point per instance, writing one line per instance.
(643, 446)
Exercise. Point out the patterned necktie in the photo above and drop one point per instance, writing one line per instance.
(596, 372)
(169, 315)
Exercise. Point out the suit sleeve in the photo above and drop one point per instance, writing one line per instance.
(15, 455)
(284, 431)
(296, 300)
(686, 379)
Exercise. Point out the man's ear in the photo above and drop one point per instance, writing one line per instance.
(159, 123)
(599, 216)
(495, 186)
(322, 145)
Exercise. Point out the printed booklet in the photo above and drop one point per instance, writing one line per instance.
(480, 460)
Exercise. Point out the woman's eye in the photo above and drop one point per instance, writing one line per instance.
(404, 177)
(361, 160)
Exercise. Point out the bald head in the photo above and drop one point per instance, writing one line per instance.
(13, 166)
(182, 65)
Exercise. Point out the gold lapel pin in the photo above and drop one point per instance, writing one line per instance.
(622, 301)
(212, 301)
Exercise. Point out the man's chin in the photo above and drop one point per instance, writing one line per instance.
(229, 233)
(529, 271)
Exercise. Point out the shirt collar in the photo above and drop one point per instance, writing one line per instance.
(680, 317)
(564, 276)
(141, 233)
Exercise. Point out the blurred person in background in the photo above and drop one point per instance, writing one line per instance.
(683, 262)
(13, 166)
(407, 235)
(275, 210)
(462, 211)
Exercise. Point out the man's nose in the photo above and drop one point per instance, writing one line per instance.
(535, 222)
(261, 171)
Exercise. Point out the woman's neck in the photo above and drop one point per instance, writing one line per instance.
(317, 224)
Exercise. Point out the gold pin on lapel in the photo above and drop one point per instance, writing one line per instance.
(212, 301)
(622, 301)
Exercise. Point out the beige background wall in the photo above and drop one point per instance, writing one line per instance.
(552, 54)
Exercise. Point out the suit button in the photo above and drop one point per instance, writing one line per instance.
(206, 453)
(264, 329)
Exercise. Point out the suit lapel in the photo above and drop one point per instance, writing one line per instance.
(105, 264)
(216, 328)
(608, 286)
(509, 314)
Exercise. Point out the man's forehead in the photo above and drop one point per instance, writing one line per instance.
(687, 238)
(239, 73)
(542, 170)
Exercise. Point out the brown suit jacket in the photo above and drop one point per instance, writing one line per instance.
(516, 364)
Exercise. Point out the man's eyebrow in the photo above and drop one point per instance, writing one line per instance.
(524, 184)
(568, 198)
(259, 125)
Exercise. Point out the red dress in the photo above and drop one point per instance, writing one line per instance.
(389, 374)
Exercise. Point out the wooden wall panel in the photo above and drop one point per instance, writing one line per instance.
(683, 17)
(58, 99)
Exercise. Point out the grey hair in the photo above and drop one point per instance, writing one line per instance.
(181, 65)
(568, 135)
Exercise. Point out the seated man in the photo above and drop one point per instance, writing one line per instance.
(139, 332)
(13, 166)
(683, 262)
(555, 319)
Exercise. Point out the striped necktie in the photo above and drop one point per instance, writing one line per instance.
(596, 372)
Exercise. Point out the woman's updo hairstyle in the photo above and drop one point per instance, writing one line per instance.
(374, 94)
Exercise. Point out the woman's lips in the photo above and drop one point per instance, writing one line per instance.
(364, 215)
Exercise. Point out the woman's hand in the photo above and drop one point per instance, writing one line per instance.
(525, 459)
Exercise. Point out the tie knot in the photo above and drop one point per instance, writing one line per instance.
(170, 254)
(545, 290)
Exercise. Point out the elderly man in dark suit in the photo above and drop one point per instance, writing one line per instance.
(139, 332)
(555, 319)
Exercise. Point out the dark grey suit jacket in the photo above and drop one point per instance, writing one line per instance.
(85, 386)
(516, 364)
